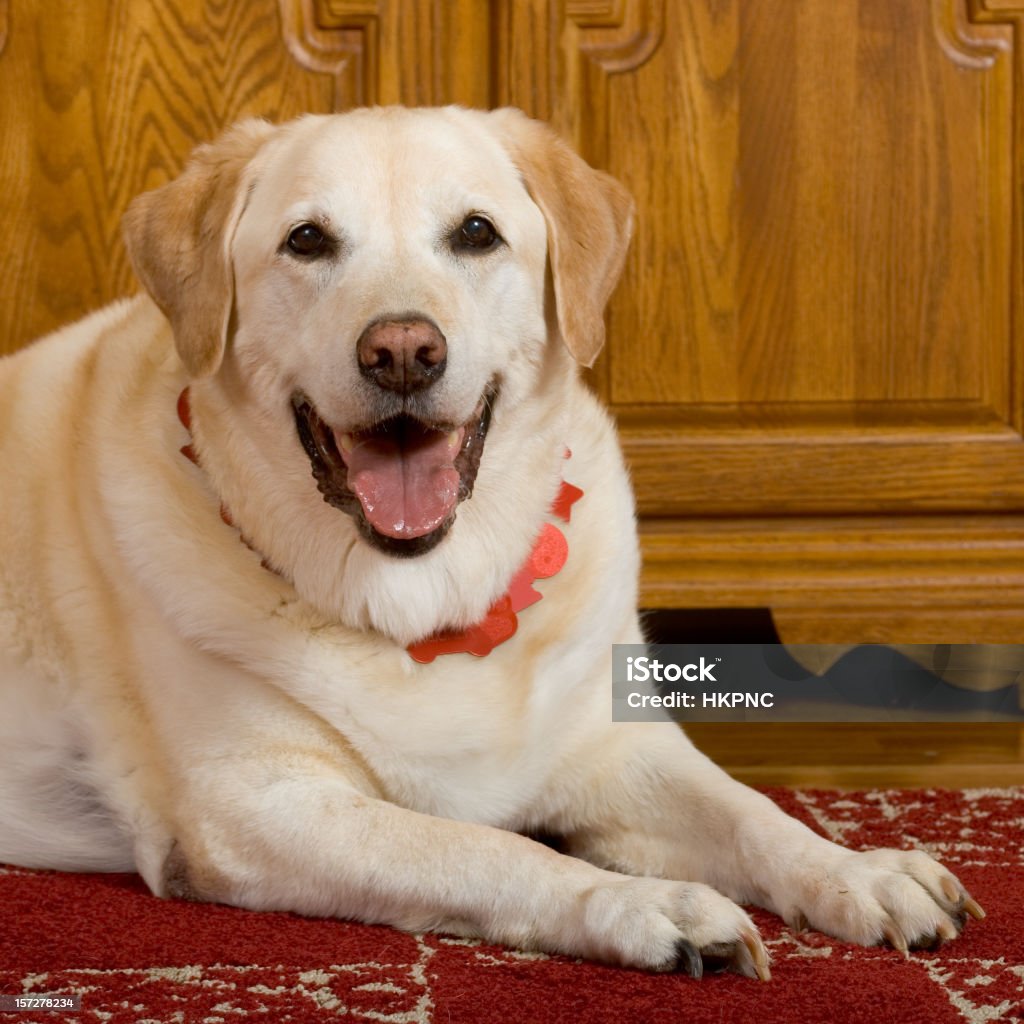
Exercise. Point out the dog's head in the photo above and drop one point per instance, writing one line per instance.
(390, 288)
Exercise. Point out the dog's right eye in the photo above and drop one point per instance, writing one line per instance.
(476, 232)
(307, 240)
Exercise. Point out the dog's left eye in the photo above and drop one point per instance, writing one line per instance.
(477, 232)
(307, 240)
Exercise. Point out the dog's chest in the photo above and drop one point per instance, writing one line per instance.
(468, 738)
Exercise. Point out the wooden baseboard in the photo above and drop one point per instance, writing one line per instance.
(913, 579)
(855, 756)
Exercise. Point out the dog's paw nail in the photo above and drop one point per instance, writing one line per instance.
(758, 954)
(895, 937)
(963, 903)
(688, 959)
(746, 956)
(973, 908)
(950, 889)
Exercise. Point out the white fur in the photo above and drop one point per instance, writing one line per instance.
(264, 738)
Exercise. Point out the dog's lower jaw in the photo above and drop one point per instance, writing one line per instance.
(401, 547)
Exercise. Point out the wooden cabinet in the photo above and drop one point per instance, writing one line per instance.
(817, 352)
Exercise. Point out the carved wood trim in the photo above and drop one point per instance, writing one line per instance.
(835, 458)
(852, 566)
(336, 38)
(346, 13)
(998, 9)
(596, 12)
(890, 624)
(967, 43)
(553, 57)
(395, 51)
(612, 37)
(618, 35)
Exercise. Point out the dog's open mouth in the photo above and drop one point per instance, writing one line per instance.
(400, 479)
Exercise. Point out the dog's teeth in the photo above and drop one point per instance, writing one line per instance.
(453, 439)
(347, 443)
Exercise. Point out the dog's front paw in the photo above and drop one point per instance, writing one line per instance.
(900, 897)
(672, 926)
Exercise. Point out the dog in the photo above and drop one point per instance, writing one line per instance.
(315, 551)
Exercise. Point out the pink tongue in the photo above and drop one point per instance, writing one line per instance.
(407, 486)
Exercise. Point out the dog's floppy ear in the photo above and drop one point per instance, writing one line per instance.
(179, 241)
(589, 218)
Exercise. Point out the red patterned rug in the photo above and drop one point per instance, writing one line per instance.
(138, 960)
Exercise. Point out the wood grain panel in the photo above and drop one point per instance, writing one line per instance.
(102, 101)
(530, 67)
(676, 125)
(767, 186)
(823, 206)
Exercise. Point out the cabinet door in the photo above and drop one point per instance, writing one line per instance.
(816, 353)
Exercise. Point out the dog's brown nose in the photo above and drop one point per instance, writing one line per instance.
(404, 355)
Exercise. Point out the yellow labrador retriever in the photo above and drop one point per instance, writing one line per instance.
(273, 536)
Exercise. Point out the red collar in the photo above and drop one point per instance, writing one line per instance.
(500, 623)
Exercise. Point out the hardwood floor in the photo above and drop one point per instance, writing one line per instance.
(854, 756)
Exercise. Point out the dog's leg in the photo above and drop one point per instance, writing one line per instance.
(650, 803)
(313, 844)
